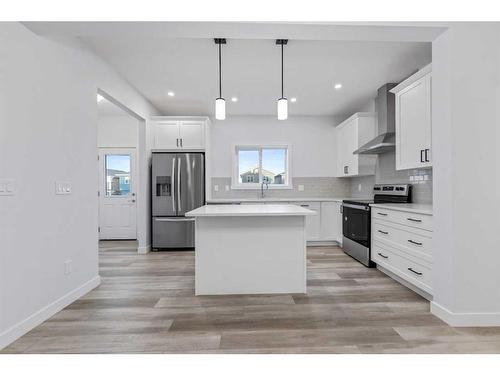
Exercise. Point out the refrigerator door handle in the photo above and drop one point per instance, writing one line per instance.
(178, 182)
(173, 184)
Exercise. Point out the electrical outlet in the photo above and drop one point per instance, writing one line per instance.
(63, 188)
(7, 186)
(359, 187)
(68, 267)
(216, 187)
(227, 187)
(300, 188)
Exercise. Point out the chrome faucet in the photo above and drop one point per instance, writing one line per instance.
(262, 188)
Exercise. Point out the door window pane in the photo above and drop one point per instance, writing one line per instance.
(274, 166)
(248, 166)
(117, 175)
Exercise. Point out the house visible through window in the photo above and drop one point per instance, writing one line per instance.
(257, 164)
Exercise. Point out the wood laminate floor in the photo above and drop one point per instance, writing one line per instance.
(146, 304)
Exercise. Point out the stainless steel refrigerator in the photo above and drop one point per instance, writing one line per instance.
(178, 186)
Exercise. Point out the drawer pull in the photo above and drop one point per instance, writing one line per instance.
(415, 242)
(381, 214)
(381, 231)
(383, 256)
(415, 272)
(304, 205)
(415, 220)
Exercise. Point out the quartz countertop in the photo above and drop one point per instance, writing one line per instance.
(417, 208)
(215, 210)
(293, 199)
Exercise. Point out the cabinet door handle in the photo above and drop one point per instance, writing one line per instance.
(415, 242)
(304, 205)
(421, 156)
(181, 143)
(383, 256)
(414, 220)
(415, 272)
(381, 231)
(381, 214)
(427, 155)
(177, 141)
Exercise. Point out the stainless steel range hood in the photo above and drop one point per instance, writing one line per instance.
(385, 141)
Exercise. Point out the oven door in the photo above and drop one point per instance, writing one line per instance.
(356, 223)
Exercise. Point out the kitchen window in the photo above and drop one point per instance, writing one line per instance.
(254, 165)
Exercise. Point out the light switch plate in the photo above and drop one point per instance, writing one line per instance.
(216, 187)
(7, 186)
(300, 188)
(63, 188)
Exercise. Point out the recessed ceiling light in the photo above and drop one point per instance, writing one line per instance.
(293, 100)
(234, 99)
(100, 98)
(338, 86)
(171, 93)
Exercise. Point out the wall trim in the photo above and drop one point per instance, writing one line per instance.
(19, 329)
(144, 249)
(474, 319)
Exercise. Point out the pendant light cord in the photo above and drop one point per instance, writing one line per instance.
(220, 72)
(282, 91)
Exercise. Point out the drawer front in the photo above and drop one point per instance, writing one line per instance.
(404, 218)
(416, 242)
(415, 273)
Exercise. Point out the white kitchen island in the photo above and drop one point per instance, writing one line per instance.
(250, 249)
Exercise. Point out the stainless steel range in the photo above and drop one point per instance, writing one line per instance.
(356, 223)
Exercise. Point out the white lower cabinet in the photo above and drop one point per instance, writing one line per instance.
(331, 221)
(313, 222)
(402, 244)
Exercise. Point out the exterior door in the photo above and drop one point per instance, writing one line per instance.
(117, 194)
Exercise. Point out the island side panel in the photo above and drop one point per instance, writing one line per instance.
(250, 255)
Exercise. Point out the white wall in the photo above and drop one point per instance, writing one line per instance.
(466, 170)
(312, 138)
(117, 131)
(48, 132)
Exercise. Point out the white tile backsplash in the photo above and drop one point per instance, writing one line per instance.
(386, 173)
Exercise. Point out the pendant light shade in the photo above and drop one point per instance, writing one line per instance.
(220, 109)
(282, 102)
(220, 103)
(282, 109)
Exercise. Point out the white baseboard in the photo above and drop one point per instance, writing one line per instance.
(465, 319)
(144, 249)
(13, 333)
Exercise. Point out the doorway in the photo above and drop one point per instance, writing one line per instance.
(117, 194)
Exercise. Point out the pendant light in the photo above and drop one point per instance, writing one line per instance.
(220, 103)
(282, 102)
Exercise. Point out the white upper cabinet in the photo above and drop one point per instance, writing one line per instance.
(352, 134)
(178, 134)
(413, 121)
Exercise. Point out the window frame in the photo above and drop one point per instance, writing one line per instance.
(235, 184)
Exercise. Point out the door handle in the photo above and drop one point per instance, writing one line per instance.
(181, 143)
(173, 184)
(383, 256)
(415, 242)
(381, 214)
(427, 155)
(414, 220)
(179, 208)
(415, 272)
(177, 142)
(421, 156)
(381, 231)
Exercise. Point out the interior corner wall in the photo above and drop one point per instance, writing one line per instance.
(466, 170)
(48, 133)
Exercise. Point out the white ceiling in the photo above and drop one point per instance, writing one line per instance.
(251, 72)
(182, 57)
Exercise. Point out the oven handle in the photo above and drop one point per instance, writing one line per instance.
(356, 207)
